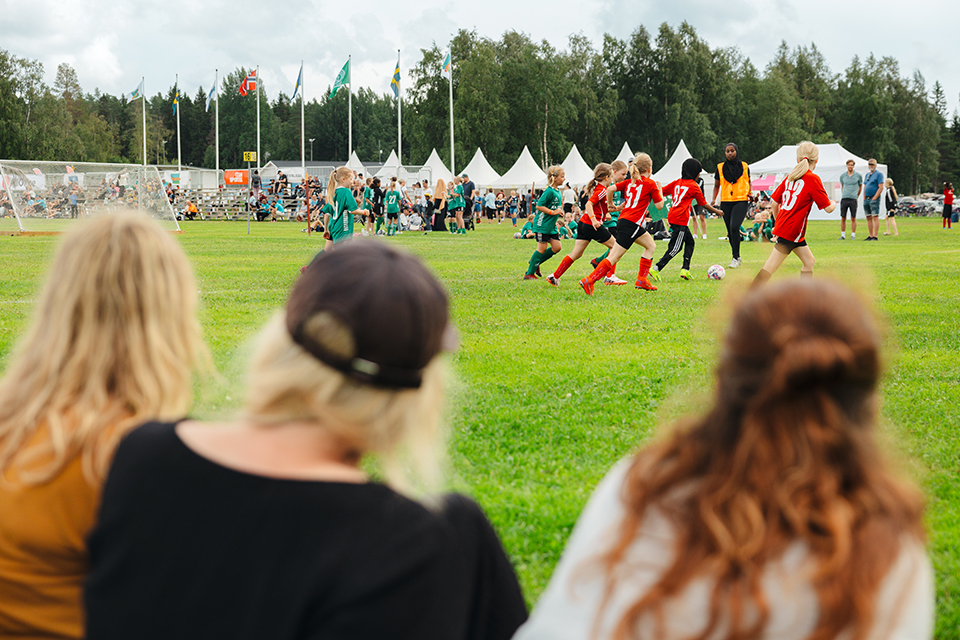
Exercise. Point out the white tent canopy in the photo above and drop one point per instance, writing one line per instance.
(577, 171)
(391, 167)
(625, 153)
(831, 164)
(671, 170)
(524, 172)
(437, 169)
(480, 171)
(354, 163)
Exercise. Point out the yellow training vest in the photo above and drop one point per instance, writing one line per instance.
(737, 191)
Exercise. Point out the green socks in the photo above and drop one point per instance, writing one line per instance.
(539, 258)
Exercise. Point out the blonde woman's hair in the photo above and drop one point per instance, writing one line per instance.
(552, 174)
(401, 427)
(807, 152)
(114, 342)
(336, 177)
(640, 165)
(441, 188)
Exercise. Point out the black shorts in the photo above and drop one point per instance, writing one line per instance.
(848, 204)
(790, 246)
(491, 213)
(628, 232)
(567, 207)
(947, 210)
(378, 209)
(393, 215)
(546, 237)
(371, 218)
(587, 232)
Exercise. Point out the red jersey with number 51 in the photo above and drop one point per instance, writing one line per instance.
(795, 200)
(637, 195)
(684, 193)
(599, 200)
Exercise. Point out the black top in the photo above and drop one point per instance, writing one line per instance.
(186, 548)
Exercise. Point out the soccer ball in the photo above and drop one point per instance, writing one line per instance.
(716, 272)
(517, 235)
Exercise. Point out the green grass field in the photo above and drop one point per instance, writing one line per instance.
(552, 387)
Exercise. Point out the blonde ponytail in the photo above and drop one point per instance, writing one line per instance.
(807, 152)
(640, 165)
(552, 174)
(339, 174)
(600, 172)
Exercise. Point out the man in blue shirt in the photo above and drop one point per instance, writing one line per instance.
(872, 188)
(852, 185)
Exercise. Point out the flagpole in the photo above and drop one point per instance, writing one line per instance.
(450, 78)
(176, 88)
(349, 110)
(258, 120)
(216, 140)
(143, 102)
(303, 147)
(399, 128)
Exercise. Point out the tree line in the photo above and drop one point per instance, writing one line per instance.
(651, 90)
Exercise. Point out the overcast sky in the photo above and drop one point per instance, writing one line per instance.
(113, 44)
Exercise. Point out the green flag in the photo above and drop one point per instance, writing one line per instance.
(342, 78)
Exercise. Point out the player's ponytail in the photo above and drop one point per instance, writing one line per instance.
(552, 174)
(600, 172)
(339, 175)
(640, 165)
(807, 152)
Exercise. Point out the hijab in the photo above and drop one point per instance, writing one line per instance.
(690, 169)
(732, 169)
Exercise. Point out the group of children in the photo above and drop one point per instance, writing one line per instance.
(617, 207)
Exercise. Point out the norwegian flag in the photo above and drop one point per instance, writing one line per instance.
(249, 83)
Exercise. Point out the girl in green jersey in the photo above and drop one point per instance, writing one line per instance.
(456, 205)
(549, 209)
(338, 224)
(392, 203)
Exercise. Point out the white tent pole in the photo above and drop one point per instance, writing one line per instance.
(450, 78)
(258, 118)
(176, 89)
(143, 99)
(216, 140)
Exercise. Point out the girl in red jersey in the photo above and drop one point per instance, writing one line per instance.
(590, 227)
(685, 192)
(947, 205)
(792, 202)
(638, 192)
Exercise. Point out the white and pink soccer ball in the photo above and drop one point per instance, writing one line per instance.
(716, 272)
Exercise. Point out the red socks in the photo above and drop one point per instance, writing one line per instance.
(602, 269)
(645, 264)
(564, 265)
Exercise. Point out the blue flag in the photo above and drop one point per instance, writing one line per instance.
(395, 83)
(299, 88)
(176, 101)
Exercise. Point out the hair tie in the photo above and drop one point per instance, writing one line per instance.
(805, 158)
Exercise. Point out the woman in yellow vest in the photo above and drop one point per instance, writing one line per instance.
(732, 184)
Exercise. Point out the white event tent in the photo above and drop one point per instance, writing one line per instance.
(671, 170)
(437, 169)
(391, 167)
(480, 171)
(831, 164)
(524, 173)
(354, 163)
(577, 171)
(625, 153)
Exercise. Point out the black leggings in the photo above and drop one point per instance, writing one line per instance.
(733, 216)
(682, 237)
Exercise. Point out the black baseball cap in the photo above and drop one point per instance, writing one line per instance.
(372, 312)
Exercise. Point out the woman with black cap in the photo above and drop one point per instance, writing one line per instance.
(685, 192)
(732, 184)
(268, 526)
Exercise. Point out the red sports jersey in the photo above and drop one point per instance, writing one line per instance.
(637, 195)
(684, 193)
(948, 196)
(795, 200)
(599, 200)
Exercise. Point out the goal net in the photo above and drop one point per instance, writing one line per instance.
(46, 197)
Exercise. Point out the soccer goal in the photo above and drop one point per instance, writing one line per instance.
(39, 198)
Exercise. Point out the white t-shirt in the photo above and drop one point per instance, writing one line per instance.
(568, 608)
(569, 197)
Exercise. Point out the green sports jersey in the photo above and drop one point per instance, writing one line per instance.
(565, 232)
(367, 197)
(544, 222)
(456, 201)
(572, 225)
(392, 201)
(617, 198)
(341, 221)
(527, 227)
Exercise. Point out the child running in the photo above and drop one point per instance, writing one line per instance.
(792, 201)
(638, 192)
(392, 203)
(590, 227)
(614, 207)
(549, 209)
(685, 192)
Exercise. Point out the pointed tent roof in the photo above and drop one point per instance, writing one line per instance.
(480, 171)
(577, 171)
(625, 153)
(671, 170)
(390, 167)
(437, 168)
(524, 171)
(354, 162)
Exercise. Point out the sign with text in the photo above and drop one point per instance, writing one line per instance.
(236, 177)
(249, 156)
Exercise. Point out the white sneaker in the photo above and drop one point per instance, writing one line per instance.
(843, 236)
(853, 236)
(736, 262)
(722, 238)
(704, 236)
(364, 233)
(614, 280)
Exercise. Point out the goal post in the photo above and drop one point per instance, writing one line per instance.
(40, 197)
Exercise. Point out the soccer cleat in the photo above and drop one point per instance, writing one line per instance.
(527, 276)
(655, 274)
(843, 237)
(736, 262)
(722, 238)
(594, 263)
(613, 280)
(539, 275)
(553, 280)
(644, 284)
(587, 286)
(685, 274)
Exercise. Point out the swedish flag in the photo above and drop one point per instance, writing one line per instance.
(176, 101)
(395, 83)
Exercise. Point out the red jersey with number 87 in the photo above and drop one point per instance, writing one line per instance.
(795, 200)
(684, 192)
(599, 200)
(637, 195)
